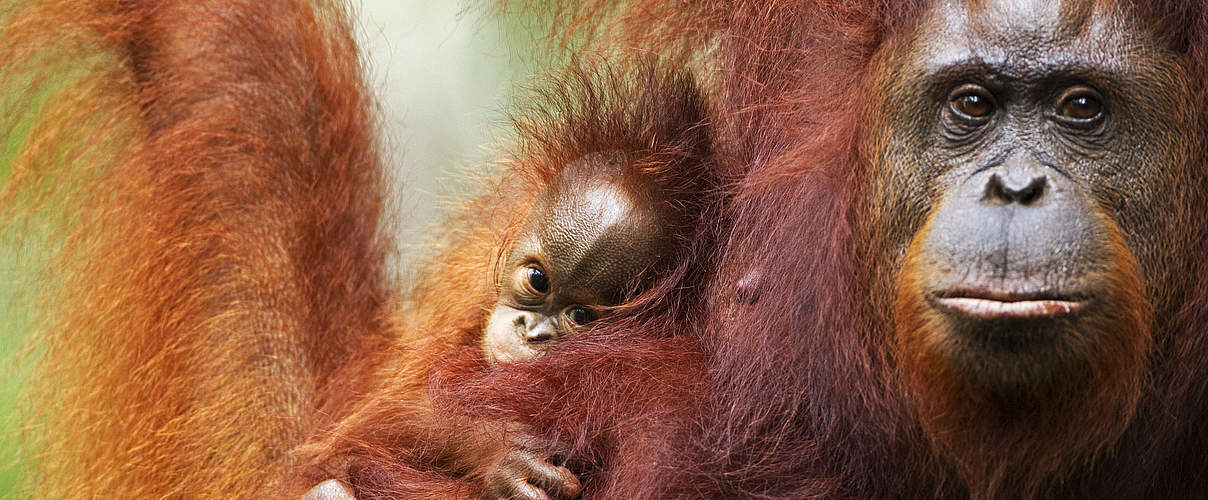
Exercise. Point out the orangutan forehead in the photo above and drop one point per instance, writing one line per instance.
(596, 227)
(593, 169)
(1070, 14)
(600, 221)
(591, 203)
(996, 32)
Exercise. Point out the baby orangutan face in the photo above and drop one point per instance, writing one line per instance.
(589, 242)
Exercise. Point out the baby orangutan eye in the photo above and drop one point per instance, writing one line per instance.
(581, 315)
(536, 280)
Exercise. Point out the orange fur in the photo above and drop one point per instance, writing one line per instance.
(222, 257)
(220, 298)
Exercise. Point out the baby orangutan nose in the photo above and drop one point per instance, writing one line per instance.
(533, 328)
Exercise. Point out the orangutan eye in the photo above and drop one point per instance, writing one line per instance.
(581, 315)
(536, 279)
(971, 102)
(1080, 104)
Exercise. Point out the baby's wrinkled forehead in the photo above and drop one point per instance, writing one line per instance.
(596, 224)
(588, 213)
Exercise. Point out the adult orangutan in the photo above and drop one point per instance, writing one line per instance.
(1018, 187)
(958, 260)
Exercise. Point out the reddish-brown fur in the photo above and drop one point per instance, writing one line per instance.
(960, 420)
(398, 444)
(221, 262)
(831, 419)
(792, 396)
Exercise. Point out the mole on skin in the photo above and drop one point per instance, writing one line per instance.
(589, 242)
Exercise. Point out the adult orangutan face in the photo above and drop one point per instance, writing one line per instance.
(1029, 163)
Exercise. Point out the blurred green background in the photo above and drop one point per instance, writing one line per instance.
(443, 73)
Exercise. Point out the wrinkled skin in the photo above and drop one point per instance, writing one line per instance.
(1027, 157)
(592, 238)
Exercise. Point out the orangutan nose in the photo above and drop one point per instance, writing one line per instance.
(536, 327)
(1004, 190)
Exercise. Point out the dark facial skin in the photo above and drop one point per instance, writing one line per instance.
(589, 240)
(1019, 138)
(1029, 162)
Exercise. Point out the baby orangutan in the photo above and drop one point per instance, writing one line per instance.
(594, 237)
(609, 190)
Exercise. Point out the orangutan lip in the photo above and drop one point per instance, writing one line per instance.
(986, 305)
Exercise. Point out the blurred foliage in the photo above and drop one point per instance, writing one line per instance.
(19, 266)
(34, 218)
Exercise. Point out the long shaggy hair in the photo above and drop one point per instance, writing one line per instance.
(440, 416)
(219, 290)
(807, 400)
(220, 191)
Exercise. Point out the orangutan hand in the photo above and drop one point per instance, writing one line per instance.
(531, 470)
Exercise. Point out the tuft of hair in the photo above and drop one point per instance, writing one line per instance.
(650, 110)
(624, 30)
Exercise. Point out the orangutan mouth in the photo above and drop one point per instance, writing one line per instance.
(990, 305)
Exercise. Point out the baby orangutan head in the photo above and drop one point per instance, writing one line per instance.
(592, 239)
